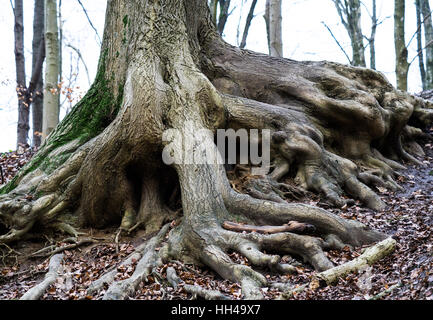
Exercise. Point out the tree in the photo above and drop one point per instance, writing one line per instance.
(419, 45)
(52, 69)
(171, 73)
(349, 12)
(37, 44)
(31, 94)
(248, 24)
(273, 20)
(401, 53)
(23, 108)
(220, 19)
(428, 34)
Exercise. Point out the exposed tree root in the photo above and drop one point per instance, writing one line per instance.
(370, 256)
(54, 271)
(150, 259)
(291, 226)
(334, 129)
(195, 290)
(52, 250)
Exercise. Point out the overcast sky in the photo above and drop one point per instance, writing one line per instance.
(304, 38)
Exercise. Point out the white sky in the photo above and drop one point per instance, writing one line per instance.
(304, 38)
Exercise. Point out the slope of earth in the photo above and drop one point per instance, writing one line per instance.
(406, 274)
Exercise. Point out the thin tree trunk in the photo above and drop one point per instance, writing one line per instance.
(51, 96)
(401, 64)
(273, 9)
(37, 103)
(349, 12)
(428, 33)
(223, 16)
(419, 44)
(248, 24)
(373, 36)
(23, 108)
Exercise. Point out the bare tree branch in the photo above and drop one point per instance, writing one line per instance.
(338, 43)
(90, 21)
(247, 24)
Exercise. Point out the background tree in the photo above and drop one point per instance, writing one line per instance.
(428, 34)
(52, 69)
(248, 24)
(23, 108)
(31, 94)
(273, 20)
(419, 44)
(349, 12)
(401, 53)
(220, 13)
(37, 44)
(334, 129)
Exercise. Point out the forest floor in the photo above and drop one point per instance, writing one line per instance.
(405, 274)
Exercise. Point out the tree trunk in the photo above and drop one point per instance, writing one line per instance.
(274, 27)
(350, 16)
(420, 48)
(23, 108)
(372, 39)
(52, 68)
(248, 24)
(401, 64)
(37, 103)
(428, 34)
(166, 83)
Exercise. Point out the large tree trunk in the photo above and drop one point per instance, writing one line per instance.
(164, 69)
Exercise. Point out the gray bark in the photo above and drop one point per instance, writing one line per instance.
(37, 45)
(402, 66)
(349, 12)
(23, 108)
(274, 27)
(52, 69)
(428, 34)
(248, 24)
(419, 45)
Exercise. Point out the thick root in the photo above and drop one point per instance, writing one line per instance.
(151, 259)
(55, 269)
(370, 256)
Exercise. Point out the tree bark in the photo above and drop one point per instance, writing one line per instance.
(52, 68)
(350, 16)
(166, 83)
(401, 64)
(420, 48)
(372, 40)
(428, 34)
(274, 27)
(37, 45)
(248, 24)
(23, 108)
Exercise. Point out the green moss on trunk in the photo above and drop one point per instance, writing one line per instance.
(88, 118)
